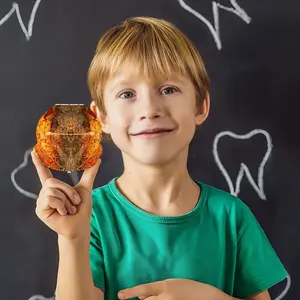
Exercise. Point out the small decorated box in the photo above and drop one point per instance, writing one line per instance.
(68, 138)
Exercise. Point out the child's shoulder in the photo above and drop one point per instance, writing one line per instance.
(220, 204)
(220, 198)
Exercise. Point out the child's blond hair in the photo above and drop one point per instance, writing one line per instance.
(159, 48)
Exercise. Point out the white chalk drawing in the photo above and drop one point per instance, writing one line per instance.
(258, 187)
(40, 297)
(16, 9)
(215, 29)
(287, 287)
(16, 170)
(73, 175)
(244, 170)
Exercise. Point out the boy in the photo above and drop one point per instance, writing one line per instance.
(154, 232)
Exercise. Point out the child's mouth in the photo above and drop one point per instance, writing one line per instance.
(154, 133)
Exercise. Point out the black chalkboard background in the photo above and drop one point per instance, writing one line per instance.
(254, 69)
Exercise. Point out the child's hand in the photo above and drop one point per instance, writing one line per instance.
(174, 289)
(57, 200)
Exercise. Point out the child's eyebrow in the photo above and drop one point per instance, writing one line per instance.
(125, 82)
(178, 79)
(119, 83)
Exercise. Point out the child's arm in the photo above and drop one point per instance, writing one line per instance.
(58, 207)
(177, 289)
(74, 280)
(99, 294)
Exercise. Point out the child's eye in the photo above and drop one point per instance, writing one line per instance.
(168, 90)
(127, 95)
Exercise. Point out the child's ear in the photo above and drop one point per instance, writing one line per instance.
(203, 111)
(101, 116)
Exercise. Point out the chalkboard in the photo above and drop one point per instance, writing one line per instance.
(249, 145)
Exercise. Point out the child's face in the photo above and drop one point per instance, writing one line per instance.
(134, 105)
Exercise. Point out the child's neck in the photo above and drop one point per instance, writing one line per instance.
(161, 191)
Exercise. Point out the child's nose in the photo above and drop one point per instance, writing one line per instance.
(151, 106)
(150, 110)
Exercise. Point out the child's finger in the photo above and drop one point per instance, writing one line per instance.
(46, 208)
(56, 193)
(43, 172)
(89, 175)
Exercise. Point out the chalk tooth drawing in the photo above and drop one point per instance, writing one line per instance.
(74, 176)
(16, 9)
(244, 170)
(16, 170)
(259, 187)
(215, 29)
(287, 287)
(40, 297)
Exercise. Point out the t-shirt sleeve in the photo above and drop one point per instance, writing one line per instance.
(257, 266)
(96, 255)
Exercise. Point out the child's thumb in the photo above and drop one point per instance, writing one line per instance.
(89, 175)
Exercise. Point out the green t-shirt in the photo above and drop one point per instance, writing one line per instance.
(219, 242)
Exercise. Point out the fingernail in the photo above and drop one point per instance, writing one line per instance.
(120, 295)
(76, 199)
(73, 209)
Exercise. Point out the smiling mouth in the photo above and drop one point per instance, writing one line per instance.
(153, 133)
